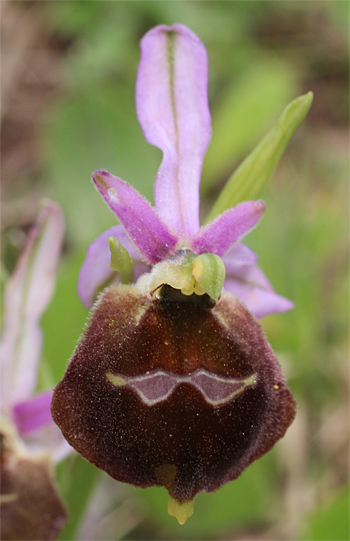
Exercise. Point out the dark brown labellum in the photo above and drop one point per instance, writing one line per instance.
(173, 392)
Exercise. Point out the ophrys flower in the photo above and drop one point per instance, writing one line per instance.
(173, 382)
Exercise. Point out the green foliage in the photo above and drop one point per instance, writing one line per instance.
(242, 114)
(252, 175)
(330, 522)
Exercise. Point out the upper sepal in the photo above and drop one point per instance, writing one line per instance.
(173, 111)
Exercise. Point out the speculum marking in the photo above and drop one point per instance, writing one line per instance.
(154, 387)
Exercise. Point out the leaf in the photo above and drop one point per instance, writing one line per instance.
(249, 179)
(242, 115)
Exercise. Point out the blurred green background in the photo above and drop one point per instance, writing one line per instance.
(69, 71)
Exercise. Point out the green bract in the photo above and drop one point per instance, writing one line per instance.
(256, 170)
(121, 261)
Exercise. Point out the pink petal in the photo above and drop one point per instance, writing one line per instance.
(47, 439)
(146, 229)
(26, 296)
(219, 236)
(172, 108)
(37, 429)
(95, 273)
(33, 413)
(252, 287)
(239, 255)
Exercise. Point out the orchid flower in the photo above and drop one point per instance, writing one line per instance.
(173, 382)
(31, 441)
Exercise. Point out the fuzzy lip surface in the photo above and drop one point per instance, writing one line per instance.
(183, 441)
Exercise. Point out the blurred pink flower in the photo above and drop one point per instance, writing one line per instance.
(31, 442)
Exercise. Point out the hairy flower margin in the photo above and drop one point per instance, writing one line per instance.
(31, 442)
(173, 382)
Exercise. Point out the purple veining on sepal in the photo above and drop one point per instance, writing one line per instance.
(95, 272)
(172, 108)
(221, 234)
(251, 286)
(34, 413)
(145, 228)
